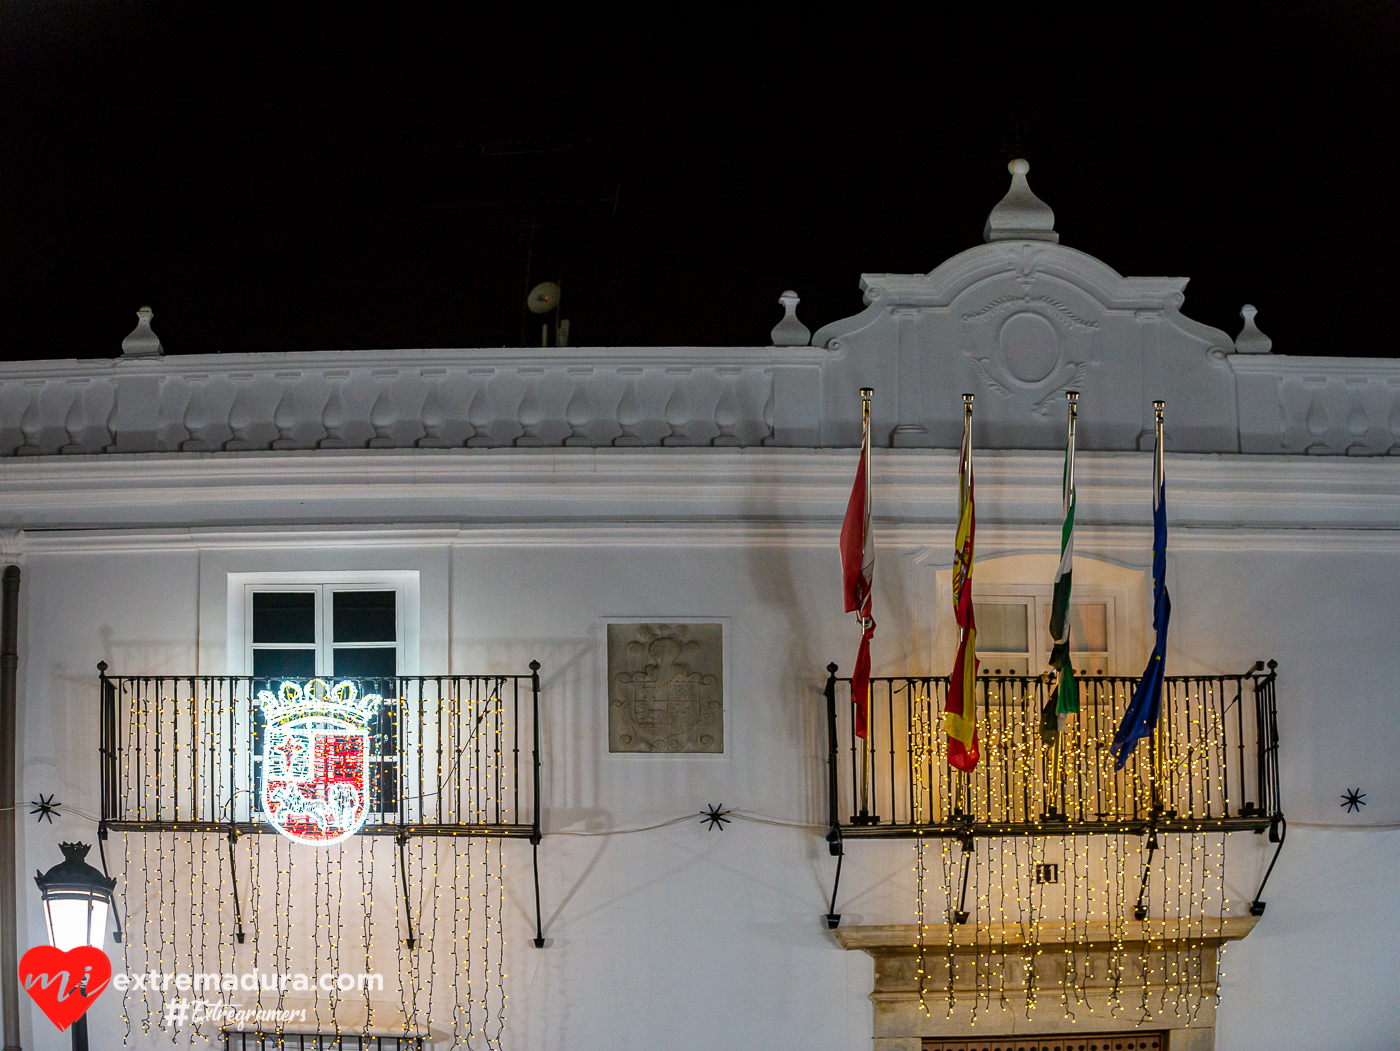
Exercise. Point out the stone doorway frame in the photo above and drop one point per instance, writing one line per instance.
(900, 1024)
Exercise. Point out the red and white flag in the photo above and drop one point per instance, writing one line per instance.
(858, 571)
(960, 708)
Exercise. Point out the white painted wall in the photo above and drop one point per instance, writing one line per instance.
(681, 938)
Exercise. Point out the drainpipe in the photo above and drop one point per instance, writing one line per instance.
(9, 915)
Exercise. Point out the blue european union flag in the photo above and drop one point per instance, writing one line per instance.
(1140, 719)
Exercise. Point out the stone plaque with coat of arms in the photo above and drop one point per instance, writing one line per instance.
(666, 688)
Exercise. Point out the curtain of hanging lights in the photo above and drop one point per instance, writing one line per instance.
(332, 910)
(1164, 975)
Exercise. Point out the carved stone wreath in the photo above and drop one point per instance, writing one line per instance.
(1027, 358)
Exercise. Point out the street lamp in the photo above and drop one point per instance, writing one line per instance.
(76, 900)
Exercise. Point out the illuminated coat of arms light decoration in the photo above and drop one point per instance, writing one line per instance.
(315, 785)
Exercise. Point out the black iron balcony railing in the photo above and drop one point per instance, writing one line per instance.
(1211, 765)
(239, 1040)
(448, 754)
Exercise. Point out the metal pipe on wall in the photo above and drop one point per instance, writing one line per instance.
(9, 915)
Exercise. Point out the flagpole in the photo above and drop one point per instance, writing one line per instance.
(866, 394)
(1159, 407)
(1159, 472)
(1072, 396)
(1066, 497)
(965, 470)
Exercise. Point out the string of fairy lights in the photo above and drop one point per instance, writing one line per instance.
(921, 748)
(177, 887)
(999, 958)
(179, 910)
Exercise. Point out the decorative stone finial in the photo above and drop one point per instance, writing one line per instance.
(142, 343)
(790, 332)
(1251, 340)
(1021, 215)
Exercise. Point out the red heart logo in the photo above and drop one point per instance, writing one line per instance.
(54, 978)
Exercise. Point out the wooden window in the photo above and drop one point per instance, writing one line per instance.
(1013, 633)
(332, 630)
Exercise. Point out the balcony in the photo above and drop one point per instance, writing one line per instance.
(1212, 764)
(448, 755)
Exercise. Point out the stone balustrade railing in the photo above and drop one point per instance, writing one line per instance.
(743, 396)
(396, 399)
(1328, 406)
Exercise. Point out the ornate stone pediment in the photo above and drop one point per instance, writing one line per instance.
(1018, 321)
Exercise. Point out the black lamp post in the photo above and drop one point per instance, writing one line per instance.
(77, 899)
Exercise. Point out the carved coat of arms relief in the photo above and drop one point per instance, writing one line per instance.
(665, 688)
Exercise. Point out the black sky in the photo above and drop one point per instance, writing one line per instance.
(311, 176)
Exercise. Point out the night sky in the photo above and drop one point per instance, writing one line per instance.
(313, 176)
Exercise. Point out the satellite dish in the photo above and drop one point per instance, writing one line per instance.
(543, 298)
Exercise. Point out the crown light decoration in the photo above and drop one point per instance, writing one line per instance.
(315, 760)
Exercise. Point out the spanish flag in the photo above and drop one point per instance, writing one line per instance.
(960, 708)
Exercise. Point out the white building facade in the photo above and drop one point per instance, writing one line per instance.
(513, 506)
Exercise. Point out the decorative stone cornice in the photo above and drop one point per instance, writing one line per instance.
(902, 939)
(402, 399)
(1248, 498)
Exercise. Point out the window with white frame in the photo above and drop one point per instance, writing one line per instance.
(353, 629)
(333, 630)
(1013, 632)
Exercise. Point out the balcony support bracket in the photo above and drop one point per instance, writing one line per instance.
(233, 873)
(836, 847)
(960, 914)
(402, 840)
(1140, 912)
(1278, 831)
(102, 853)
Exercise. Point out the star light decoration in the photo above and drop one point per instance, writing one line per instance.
(45, 808)
(716, 816)
(1353, 799)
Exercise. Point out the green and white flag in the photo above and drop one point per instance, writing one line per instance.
(1065, 700)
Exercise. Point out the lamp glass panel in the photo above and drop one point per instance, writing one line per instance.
(68, 922)
(97, 927)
